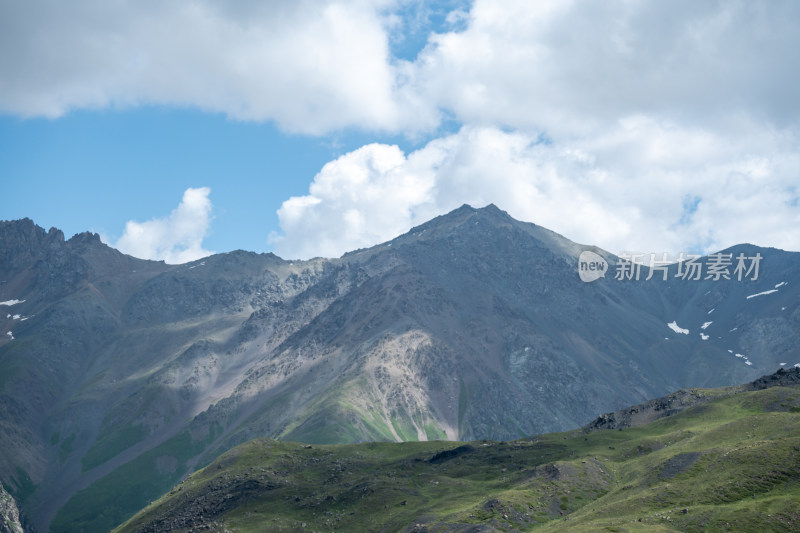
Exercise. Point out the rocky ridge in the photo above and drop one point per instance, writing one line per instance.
(674, 403)
(9, 513)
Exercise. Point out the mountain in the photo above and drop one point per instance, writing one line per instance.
(705, 460)
(120, 376)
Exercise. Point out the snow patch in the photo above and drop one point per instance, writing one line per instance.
(743, 357)
(783, 364)
(16, 317)
(734, 329)
(12, 302)
(782, 283)
(676, 328)
(10, 335)
(711, 311)
(797, 365)
(704, 336)
(762, 293)
(706, 324)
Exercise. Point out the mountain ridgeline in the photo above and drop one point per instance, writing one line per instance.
(120, 376)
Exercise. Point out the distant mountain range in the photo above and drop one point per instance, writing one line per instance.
(119, 376)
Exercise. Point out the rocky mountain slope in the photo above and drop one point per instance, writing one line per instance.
(729, 461)
(119, 376)
(9, 513)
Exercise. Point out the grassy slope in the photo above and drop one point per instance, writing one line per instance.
(732, 464)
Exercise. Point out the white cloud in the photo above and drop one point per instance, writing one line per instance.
(572, 67)
(645, 186)
(315, 66)
(363, 197)
(177, 238)
(312, 65)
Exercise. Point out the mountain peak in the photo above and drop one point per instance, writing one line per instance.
(493, 213)
(26, 230)
(488, 210)
(85, 238)
(480, 225)
(490, 213)
(22, 240)
(491, 208)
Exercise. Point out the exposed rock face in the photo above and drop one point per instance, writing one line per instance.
(785, 377)
(9, 513)
(473, 325)
(644, 413)
(200, 513)
(24, 242)
(647, 412)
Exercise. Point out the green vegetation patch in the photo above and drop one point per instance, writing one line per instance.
(65, 449)
(115, 497)
(112, 444)
(733, 465)
(21, 486)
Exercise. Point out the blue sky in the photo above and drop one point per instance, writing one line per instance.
(311, 128)
(95, 170)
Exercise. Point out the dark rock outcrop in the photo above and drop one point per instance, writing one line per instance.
(676, 402)
(9, 513)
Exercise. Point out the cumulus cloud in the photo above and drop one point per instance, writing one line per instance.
(177, 238)
(572, 67)
(311, 66)
(363, 197)
(646, 186)
(315, 66)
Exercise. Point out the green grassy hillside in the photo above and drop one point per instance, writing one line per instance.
(730, 464)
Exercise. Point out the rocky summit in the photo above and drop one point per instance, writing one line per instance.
(120, 376)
